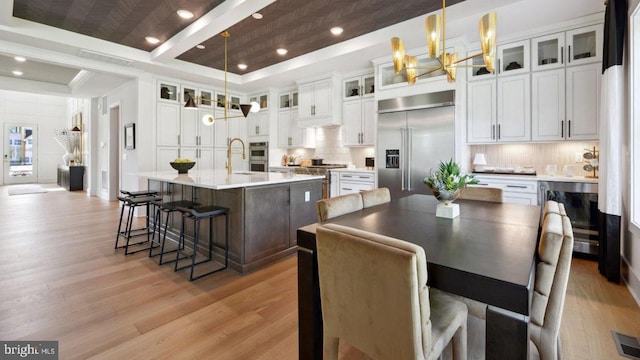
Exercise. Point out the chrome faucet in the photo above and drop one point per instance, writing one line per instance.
(229, 152)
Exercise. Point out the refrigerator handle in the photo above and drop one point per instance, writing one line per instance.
(409, 157)
(403, 163)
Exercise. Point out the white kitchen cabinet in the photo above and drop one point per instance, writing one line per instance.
(358, 117)
(548, 105)
(233, 106)
(354, 182)
(288, 100)
(499, 110)
(575, 47)
(168, 91)
(262, 99)
(168, 124)
(319, 103)
(481, 111)
(192, 131)
(165, 155)
(290, 135)
(566, 103)
(583, 102)
(515, 191)
(513, 58)
(258, 124)
(357, 87)
(514, 109)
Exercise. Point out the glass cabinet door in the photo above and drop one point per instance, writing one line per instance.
(513, 58)
(584, 45)
(352, 88)
(478, 71)
(368, 83)
(548, 52)
(167, 91)
(285, 101)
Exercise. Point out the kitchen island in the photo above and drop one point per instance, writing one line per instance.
(265, 210)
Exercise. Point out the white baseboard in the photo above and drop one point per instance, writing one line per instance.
(631, 280)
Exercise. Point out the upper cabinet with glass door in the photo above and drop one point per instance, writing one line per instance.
(574, 47)
(262, 99)
(477, 70)
(168, 92)
(234, 99)
(513, 58)
(358, 86)
(389, 79)
(288, 100)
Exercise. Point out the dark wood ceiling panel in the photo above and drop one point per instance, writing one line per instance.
(301, 27)
(125, 22)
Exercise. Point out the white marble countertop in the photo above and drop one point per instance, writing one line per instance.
(560, 178)
(220, 180)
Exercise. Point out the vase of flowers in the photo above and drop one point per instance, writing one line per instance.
(446, 181)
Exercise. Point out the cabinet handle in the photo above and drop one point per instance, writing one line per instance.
(483, 184)
(493, 132)
(178, 139)
(517, 186)
(289, 141)
(364, 177)
(499, 67)
(257, 130)
(562, 128)
(348, 189)
(561, 54)
(569, 129)
(569, 53)
(499, 137)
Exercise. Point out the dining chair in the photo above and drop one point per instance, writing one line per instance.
(375, 197)
(339, 205)
(551, 206)
(481, 193)
(552, 275)
(374, 297)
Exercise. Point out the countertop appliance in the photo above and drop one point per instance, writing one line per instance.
(320, 170)
(415, 133)
(259, 156)
(580, 201)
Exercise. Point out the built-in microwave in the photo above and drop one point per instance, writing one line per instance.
(259, 156)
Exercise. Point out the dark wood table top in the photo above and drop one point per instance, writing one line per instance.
(487, 253)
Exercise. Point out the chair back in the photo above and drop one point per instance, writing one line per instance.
(553, 207)
(481, 193)
(373, 293)
(339, 205)
(375, 197)
(552, 275)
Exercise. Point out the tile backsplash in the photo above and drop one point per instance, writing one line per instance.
(329, 148)
(534, 155)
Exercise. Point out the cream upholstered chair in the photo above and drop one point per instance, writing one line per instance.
(551, 206)
(552, 275)
(375, 197)
(481, 193)
(339, 205)
(375, 297)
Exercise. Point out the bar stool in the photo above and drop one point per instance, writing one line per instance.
(131, 200)
(197, 214)
(167, 207)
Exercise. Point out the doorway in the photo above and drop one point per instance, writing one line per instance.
(20, 159)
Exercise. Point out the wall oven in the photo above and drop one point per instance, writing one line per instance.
(581, 203)
(259, 156)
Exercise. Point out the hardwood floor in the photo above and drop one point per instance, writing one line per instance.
(62, 280)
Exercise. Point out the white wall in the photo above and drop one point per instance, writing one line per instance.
(47, 113)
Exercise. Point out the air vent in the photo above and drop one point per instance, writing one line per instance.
(104, 57)
(627, 346)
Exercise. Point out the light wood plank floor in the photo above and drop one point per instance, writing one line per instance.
(62, 280)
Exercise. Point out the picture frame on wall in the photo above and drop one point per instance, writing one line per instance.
(130, 136)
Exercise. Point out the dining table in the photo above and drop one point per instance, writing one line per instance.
(487, 253)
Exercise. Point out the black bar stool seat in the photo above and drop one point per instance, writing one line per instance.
(197, 214)
(131, 202)
(166, 207)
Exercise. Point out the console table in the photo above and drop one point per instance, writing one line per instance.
(71, 177)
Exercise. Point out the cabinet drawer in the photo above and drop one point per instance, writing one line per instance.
(348, 187)
(522, 186)
(365, 177)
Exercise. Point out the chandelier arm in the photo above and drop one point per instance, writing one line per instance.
(468, 58)
(430, 71)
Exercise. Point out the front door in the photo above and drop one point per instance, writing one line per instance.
(20, 163)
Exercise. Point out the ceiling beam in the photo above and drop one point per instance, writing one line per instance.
(32, 86)
(211, 24)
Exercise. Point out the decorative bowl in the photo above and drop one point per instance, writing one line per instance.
(182, 167)
(446, 196)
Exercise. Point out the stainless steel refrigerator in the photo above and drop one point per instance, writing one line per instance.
(414, 135)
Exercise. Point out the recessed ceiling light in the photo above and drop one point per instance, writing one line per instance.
(17, 72)
(152, 40)
(200, 46)
(185, 14)
(20, 59)
(336, 30)
(257, 16)
(282, 51)
(242, 66)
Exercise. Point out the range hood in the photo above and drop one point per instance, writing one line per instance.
(415, 102)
